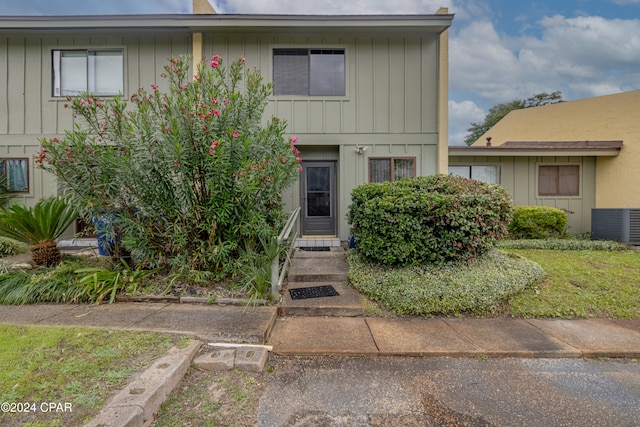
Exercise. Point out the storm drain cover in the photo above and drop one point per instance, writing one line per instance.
(315, 249)
(313, 292)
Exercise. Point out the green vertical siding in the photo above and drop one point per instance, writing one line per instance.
(519, 175)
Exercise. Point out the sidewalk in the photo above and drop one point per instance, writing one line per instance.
(355, 336)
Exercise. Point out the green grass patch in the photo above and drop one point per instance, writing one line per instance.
(581, 284)
(454, 289)
(77, 366)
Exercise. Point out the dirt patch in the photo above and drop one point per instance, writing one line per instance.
(222, 398)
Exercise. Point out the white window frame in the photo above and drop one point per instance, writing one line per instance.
(56, 56)
(471, 175)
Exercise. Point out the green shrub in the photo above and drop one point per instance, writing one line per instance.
(453, 289)
(433, 219)
(45, 285)
(562, 244)
(10, 247)
(537, 222)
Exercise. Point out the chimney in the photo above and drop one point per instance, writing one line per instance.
(488, 141)
(203, 7)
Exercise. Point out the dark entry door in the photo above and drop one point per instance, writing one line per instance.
(318, 198)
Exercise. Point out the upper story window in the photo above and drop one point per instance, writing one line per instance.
(309, 72)
(488, 174)
(391, 169)
(14, 173)
(561, 180)
(100, 72)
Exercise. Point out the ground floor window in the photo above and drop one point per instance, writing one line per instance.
(489, 174)
(15, 175)
(391, 168)
(559, 180)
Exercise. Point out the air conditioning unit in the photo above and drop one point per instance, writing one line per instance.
(622, 225)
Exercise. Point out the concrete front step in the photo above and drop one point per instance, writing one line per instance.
(347, 304)
(318, 269)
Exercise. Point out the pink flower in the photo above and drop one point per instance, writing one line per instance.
(90, 101)
(283, 159)
(215, 144)
(175, 164)
(225, 102)
(234, 175)
(214, 64)
(216, 57)
(166, 128)
(82, 102)
(214, 101)
(298, 159)
(300, 169)
(212, 151)
(235, 134)
(216, 112)
(243, 59)
(154, 87)
(293, 140)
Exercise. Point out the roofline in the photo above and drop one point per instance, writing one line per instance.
(606, 149)
(439, 22)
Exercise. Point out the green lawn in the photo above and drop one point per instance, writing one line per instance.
(581, 283)
(76, 367)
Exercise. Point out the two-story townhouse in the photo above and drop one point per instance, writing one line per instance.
(366, 96)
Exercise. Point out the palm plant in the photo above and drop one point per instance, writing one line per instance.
(39, 227)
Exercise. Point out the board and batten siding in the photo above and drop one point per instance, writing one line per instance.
(520, 176)
(390, 105)
(391, 82)
(29, 112)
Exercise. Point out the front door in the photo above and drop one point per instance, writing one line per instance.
(318, 198)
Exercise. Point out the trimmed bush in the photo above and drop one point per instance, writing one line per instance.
(454, 289)
(537, 222)
(434, 219)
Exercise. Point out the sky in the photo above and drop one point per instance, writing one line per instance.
(499, 50)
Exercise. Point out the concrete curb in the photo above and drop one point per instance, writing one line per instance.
(135, 405)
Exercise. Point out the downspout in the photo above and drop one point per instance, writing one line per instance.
(443, 97)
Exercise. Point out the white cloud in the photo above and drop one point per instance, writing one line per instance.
(461, 115)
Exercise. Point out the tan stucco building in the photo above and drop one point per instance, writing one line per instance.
(575, 155)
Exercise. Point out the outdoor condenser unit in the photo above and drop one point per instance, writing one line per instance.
(622, 225)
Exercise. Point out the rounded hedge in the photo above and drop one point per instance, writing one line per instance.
(537, 222)
(434, 219)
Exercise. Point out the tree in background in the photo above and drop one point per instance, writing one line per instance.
(497, 112)
(191, 176)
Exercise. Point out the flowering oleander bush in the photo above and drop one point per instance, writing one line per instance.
(189, 177)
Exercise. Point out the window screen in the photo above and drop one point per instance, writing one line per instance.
(561, 180)
(308, 72)
(391, 169)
